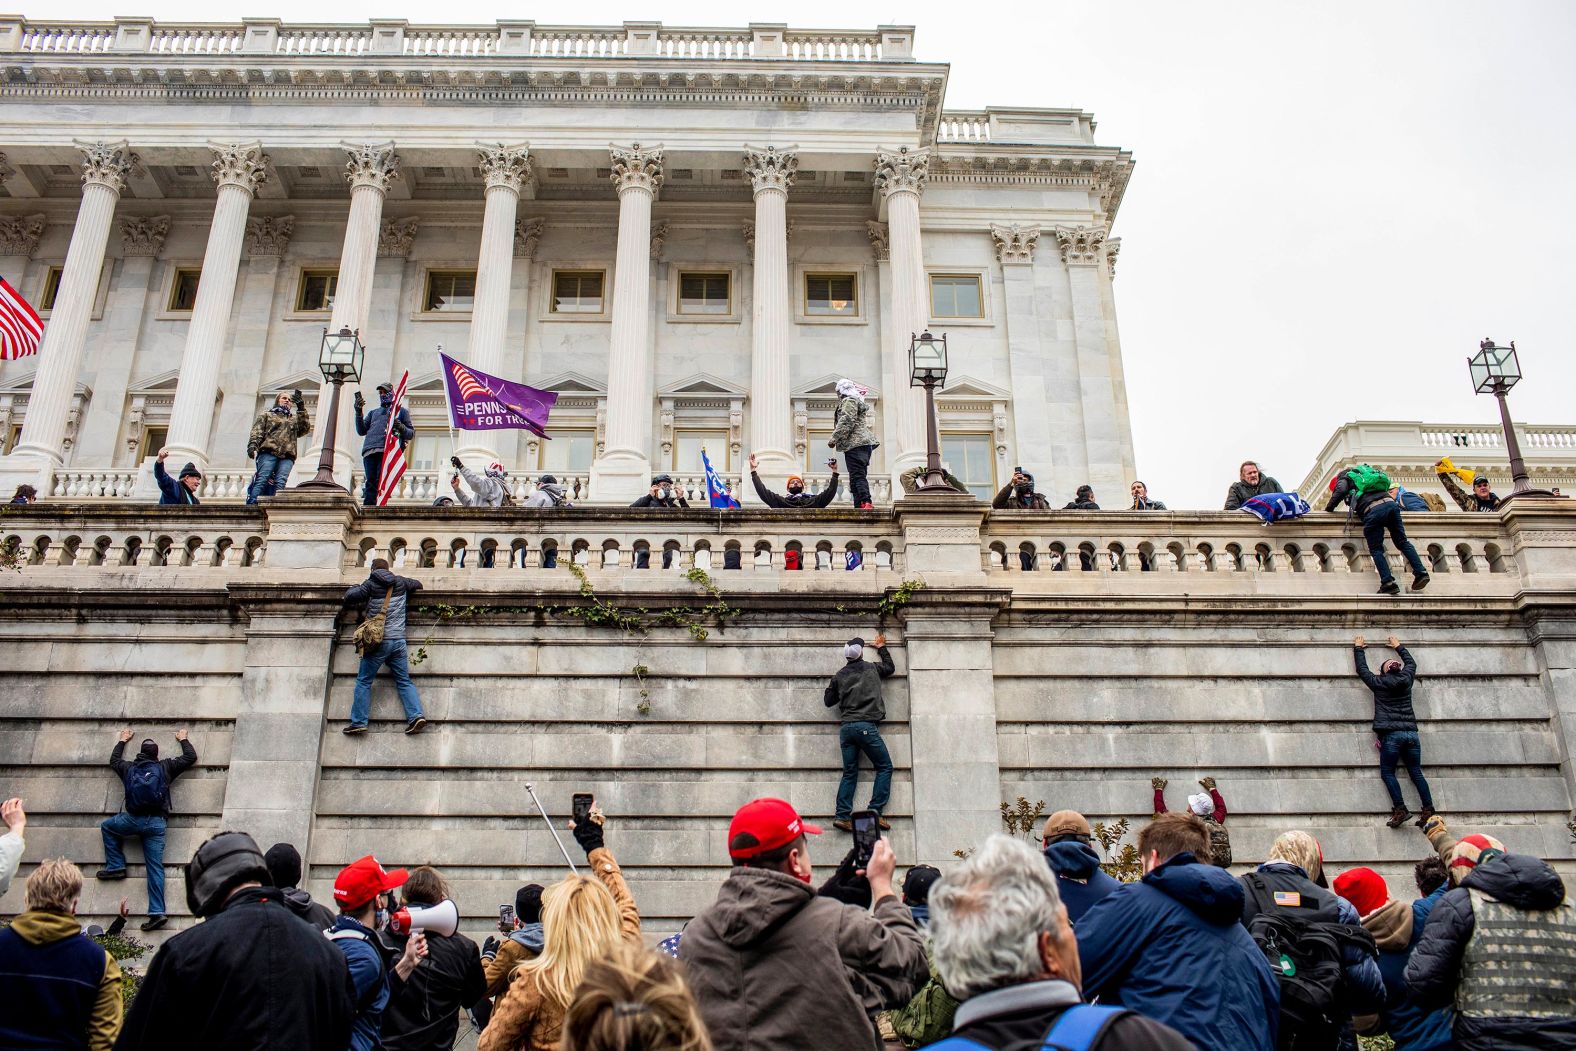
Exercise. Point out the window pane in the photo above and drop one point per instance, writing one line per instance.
(831, 295)
(183, 294)
(687, 446)
(577, 292)
(968, 457)
(816, 452)
(568, 451)
(317, 289)
(955, 295)
(153, 439)
(450, 290)
(51, 288)
(422, 453)
(13, 437)
(703, 294)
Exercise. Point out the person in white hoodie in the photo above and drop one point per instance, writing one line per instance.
(548, 494)
(488, 490)
(11, 844)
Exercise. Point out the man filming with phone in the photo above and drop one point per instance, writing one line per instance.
(855, 691)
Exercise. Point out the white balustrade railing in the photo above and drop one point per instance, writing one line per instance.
(461, 42)
(577, 43)
(821, 46)
(324, 40)
(81, 38)
(92, 485)
(963, 127)
(705, 43)
(1486, 437)
(196, 40)
(100, 537)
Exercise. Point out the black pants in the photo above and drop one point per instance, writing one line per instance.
(858, 461)
(372, 464)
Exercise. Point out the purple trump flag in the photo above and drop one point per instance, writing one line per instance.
(479, 402)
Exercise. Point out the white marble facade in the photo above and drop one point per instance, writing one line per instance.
(806, 191)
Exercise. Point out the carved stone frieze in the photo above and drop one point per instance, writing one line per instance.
(269, 234)
(1015, 241)
(396, 236)
(143, 236)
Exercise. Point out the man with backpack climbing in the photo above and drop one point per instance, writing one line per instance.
(1366, 490)
(147, 779)
(1395, 724)
(1326, 962)
(380, 639)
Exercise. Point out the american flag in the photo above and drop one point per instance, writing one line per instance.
(393, 451)
(20, 326)
(469, 387)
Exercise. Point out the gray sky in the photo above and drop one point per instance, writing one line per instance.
(1333, 201)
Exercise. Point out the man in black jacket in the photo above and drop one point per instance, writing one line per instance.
(663, 494)
(384, 587)
(1379, 512)
(284, 873)
(1020, 494)
(250, 976)
(856, 693)
(147, 779)
(796, 496)
(1396, 726)
(423, 1011)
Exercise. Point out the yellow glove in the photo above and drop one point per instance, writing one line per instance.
(1444, 466)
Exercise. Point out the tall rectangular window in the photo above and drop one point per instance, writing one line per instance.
(577, 291)
(831, 295)
(688, 444)
(183, 290)
(968, 457)
(956, 295)
(153, 439)
(424, 449)
(449, 291)
(46, 299)
(317, 290)
(705, 293)
(568, 451)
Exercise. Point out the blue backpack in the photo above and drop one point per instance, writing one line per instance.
(1076, 1030)
(147, 787)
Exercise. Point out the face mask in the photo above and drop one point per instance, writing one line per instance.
(386, 400)
(382, 920)
(795, 490)
(664, 493)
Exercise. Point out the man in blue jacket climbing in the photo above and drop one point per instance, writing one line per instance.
(1079, 877)
(1171, 947)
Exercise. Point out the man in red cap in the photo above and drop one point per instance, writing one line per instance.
(356, 889)
(774, 965)
(1396, 927)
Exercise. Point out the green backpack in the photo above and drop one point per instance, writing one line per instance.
(1366, 479)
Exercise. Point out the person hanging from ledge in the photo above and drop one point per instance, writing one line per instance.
(1366, 490)
(853, 436)
(1208, 807)
(1481, 498)
(796, 497)
(1020, 494)
(1395, 725)
(663, 494)
(374, 428)
(1250, 482)
(380, 640)
(487, 490)
(1083, 500)
(177, 491)
(272, 444)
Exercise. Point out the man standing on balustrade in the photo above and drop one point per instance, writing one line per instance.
(374, 427)
(796, 496)
(853, 436)
(273, 444)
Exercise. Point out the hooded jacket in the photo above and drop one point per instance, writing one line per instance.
(277, 433)
(174, 767)
(1396, 927)
(69, 984)
(1079, 877)
(852, 427)
(375, 427)
(801, 500)
(548, 494)
(423, 1012)
(1392, 691)
(772, 965)
(1171, 947)
(1241, 492)
(252, 976)
(374, 588)
(521, 945)
(487, 490)
(856, 689)
(300, 903)
(1528, 931)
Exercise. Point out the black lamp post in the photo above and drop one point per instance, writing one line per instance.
(1494, 371)
(927, 361)
(340, 359)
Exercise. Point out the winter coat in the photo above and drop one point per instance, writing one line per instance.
(172, 490)
(1080, 505)
(370, 967)
(423, 1013)
(277, 433)
(1241, 492)
(1079, 877)
(928, 1016)
(1502, 945)
(252, 977)
(1148, 505)
(856, 689)
(1392, 692)
(1017, 1017)
(773, 965)
(1007, 500)
(375, 426)
(62, 990)
(522, 945)
(1396, 927)
(11, 846)
(800, 500)
(299, 902)
(1364, 983)
(676, 500)
(524, 1016)
(1466, 499)
(550, 494)
(487, 490)
(372, 591)
(1345, 493)
(174, 767)
(852, 427)
(1171, 947)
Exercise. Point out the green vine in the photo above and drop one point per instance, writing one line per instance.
(894, 600)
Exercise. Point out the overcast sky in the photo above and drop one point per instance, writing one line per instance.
(1333, 201)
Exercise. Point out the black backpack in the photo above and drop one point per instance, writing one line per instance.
(1305, 949)
(147, 788)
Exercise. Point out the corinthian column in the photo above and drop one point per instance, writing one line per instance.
(771, 435)
(507, 170)
(238, 170)
(620, 474)
(370, 171)
(900, 176)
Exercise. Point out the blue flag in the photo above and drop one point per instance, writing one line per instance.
(720, 497)
(853, 559)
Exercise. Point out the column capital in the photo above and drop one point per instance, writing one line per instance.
(6, 171)
(771, 168)
(107, 163)
(19, 234)
(396, 236)
(143, 236)
(269, 234)
(880, 240)
(376, 166)
(1113, 245)
(241, 164)
(659, 238)
(905, 169)
(636, 168)
(527, 235)
(1015, 242)
(506, 166)
(1082, 245)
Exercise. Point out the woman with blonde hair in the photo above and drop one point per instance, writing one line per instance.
(585, 919)
(634, 1000)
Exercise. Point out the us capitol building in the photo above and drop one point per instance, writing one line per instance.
(688, 234)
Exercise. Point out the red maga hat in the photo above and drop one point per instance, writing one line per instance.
(364, 879)
(763, 825)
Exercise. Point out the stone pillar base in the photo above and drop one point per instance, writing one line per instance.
(24, 468)
(309, 529)
(620, 480)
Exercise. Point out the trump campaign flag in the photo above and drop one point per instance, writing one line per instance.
(720, 497)
(479, 402)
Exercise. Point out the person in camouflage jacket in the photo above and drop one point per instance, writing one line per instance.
(1211, 809)
(273, 444)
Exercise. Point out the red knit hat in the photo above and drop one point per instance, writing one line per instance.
(1364, 888)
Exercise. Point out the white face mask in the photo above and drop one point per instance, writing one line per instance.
(664, 493)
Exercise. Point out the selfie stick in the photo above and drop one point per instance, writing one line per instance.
(551, 829)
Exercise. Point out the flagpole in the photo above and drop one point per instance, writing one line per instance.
(454, 441)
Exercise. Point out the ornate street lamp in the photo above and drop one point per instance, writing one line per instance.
(1494, 371)
(339, 359)
(927, 361)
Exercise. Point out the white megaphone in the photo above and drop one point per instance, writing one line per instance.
(442, 918)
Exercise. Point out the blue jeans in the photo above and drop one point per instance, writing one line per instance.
(1402, 746)
(1386, 514)
(150, 830)
(372, 470)
(856, 738)
(392, 653)
(272, 474)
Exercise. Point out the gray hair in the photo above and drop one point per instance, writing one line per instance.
(986, 916)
